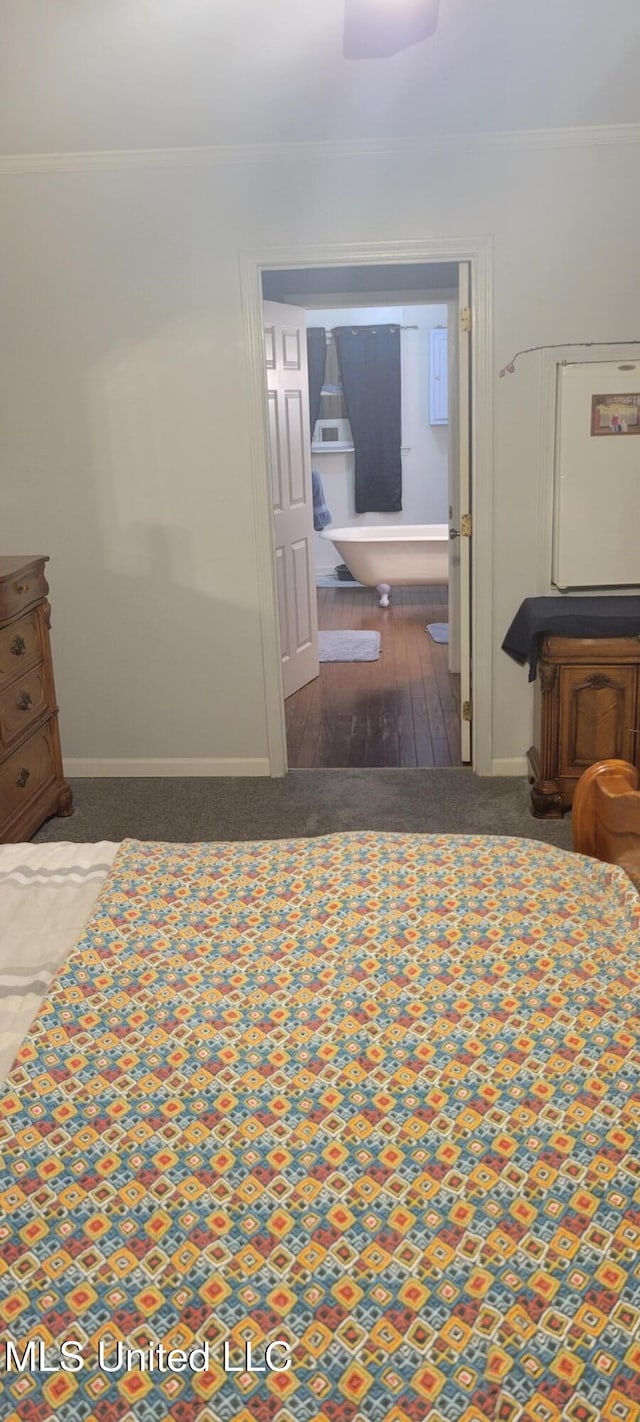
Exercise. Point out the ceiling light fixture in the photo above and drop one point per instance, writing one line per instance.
(375, 29)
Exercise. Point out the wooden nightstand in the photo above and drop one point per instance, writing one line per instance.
(32, 783)
(587, 709)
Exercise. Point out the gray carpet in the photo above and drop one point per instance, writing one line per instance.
(305, 802)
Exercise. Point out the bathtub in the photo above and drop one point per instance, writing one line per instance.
(405, 555)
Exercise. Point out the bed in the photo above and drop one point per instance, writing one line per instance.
(330, 1129)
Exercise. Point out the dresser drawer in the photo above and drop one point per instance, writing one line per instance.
(22, 587)
(26, 773)
(22, 704)
(20, 647)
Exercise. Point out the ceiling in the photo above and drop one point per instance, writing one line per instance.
(78, 75)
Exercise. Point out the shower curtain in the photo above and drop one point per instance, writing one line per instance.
(316, 361)
(369, 359)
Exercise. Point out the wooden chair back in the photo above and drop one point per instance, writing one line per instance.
(605, 816)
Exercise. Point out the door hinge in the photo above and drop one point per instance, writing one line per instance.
(465, 525)
(465, 318)
(466, 710)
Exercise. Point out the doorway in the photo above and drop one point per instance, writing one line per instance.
(400, 285)
(402, 707)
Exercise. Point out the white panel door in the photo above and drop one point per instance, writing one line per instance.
(290, 455)
(460, 505)
(453, 485)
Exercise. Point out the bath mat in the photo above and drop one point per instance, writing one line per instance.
(438, 631)
(348, 646)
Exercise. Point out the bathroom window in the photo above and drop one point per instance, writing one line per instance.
(332, 398)
(332, 426)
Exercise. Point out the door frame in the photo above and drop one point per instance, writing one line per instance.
(478, 252)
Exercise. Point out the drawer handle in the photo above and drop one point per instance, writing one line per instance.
(18, 646)
(23, 701)
(22, 587)
(22, 778)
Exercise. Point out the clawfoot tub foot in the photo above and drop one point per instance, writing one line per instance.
(383, 590)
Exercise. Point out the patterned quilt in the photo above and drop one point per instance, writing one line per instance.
(332, 1129)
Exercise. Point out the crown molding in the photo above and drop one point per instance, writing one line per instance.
(319, 150)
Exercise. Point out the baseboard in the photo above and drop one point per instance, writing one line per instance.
(104, 769)
(81, 769)
(510, 765)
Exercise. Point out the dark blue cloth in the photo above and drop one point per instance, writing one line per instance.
(321, 515)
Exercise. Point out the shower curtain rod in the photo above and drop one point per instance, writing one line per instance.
(329, 330)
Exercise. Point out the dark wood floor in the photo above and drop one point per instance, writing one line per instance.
(403, 709)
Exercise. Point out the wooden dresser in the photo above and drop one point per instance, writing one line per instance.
(32, 783)
(587, 710)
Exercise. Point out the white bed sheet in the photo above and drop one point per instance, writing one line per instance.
(47, 892)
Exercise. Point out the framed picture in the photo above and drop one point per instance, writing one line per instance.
(615, 414)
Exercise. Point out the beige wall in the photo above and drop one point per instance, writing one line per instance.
(124, 410)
